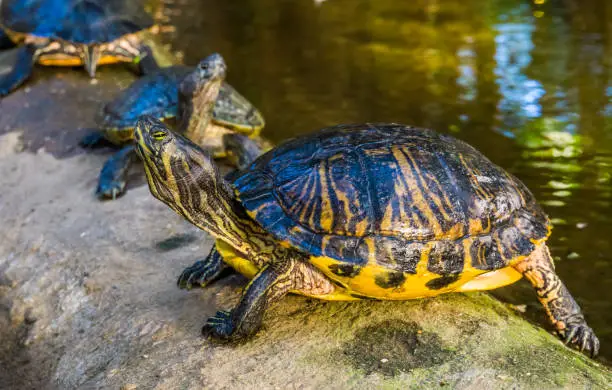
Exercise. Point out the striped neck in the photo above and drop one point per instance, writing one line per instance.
(197, 191)
(196, 104)
(184, 176)
(223, 216)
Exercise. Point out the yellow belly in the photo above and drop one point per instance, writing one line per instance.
(364, 284)
(419, 285)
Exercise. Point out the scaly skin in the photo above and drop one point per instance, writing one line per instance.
(563, 311)
(203, 272)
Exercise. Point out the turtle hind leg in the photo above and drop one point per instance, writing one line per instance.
(203, 272)
(272, 282)
(24, 59)
(562, 309)
(113, 176)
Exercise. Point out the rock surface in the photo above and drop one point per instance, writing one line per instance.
(88, 296)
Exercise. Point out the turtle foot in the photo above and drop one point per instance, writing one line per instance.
(578, 334)
(220, 326)
(113, 177)
(197, 275)
(110, 190)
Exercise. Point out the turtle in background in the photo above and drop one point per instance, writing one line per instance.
(72, 33)
(205, 106)
(377, 211)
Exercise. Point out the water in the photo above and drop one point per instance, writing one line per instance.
(527, 83)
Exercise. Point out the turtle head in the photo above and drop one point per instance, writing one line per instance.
(198, 93)
(209, 69)
(184, 177)
(177, 170)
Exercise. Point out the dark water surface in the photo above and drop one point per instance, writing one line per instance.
(527, 83)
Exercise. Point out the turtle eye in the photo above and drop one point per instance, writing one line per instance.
(159, 135)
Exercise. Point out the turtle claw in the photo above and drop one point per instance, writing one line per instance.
(194, 276)
(220, 326)
(200, 274)
(581, 336)
(113, 176)
(111, 190)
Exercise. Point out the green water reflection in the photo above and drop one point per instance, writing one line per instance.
(528, 83)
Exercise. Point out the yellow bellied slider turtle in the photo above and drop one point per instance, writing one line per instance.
(177, 91)
(381, 211)
(71, 33)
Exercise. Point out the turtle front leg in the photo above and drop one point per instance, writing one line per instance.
(22, 67)
(113, 176)
(203, 272)
(562, 309)
(272, 283)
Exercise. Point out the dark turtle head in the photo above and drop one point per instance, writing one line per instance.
(209, 71)
(198, 93)
(178, 171)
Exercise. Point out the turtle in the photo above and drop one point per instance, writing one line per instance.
(360, 211)
(167, 93)
(71, 33)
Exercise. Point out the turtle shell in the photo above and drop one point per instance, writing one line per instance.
(77, 21)
(395, 198)
(156, 94)
(234, 111)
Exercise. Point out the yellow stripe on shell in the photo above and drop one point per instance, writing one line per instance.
(406, 162)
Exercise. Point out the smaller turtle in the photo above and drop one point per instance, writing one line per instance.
(176, 91)
(71, 33)
(364, 211)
